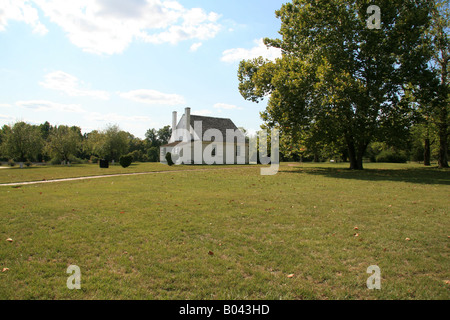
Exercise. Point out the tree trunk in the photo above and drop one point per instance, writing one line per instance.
(316, 157)
(443, 138)
(427, 153)
(354, 155)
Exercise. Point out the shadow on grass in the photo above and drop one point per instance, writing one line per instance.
(411, 175)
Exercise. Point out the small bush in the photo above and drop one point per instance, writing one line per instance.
(169, 159)
(28, 163)
(392, 157)
(125, 161)
(94, 159)
(11, 163)
(55, 161)
(75, 160)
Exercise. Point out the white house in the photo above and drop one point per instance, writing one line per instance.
(205, 140)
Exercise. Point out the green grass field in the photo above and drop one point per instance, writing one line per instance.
(227, 234)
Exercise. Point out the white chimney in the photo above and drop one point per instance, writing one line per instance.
(174, 126)
(187, 114)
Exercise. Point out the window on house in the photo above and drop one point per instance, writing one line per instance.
(238, 151)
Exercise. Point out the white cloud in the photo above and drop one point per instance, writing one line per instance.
(43, 105)
(20, 10)
(115, 118)
(195, 46)
(203, 112)
(153, 97)
(6, 117)
(69, 84)
(109, 26)
(5, 105)
(260, 49)
(224, 106)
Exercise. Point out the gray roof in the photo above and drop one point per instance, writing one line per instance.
(221, 124)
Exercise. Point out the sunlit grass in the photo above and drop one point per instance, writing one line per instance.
(230, 234)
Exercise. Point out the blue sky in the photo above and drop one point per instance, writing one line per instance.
(96, 62)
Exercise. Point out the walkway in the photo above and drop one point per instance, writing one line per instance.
(12, 184)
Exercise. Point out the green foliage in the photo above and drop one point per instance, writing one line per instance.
(28, 163)
(55, 144)
(109, 144)
(391, 156)
(339, 82)
(11, 163)
(94, 159)
(63, 142)
(374, 149)
(153, 154)
(22, 141)
(125, 161)
(169, 159)
(157, 138)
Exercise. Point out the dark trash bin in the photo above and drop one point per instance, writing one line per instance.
(104, 163)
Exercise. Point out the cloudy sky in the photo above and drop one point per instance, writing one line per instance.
(96, 62)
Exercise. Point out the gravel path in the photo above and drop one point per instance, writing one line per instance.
(106, 176)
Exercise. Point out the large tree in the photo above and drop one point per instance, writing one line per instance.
(338, 76)
(440, 41)
(157, 138)
(64, 142)
(22, 142)
(115, 143)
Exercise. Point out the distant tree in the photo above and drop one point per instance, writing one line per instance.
(115, 142)
(164, 135)
(153, 154)
(22, 142)
(63, 142)
(94, 143)
(431, 95)
(157, 138)
(45, 129)
(4, 131)
(152, 137)
(440, 106)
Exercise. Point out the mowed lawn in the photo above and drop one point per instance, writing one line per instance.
(40, 172)
(229, 234)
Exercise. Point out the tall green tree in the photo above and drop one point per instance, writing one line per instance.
(22, 142)
(63, 142)
(152, 137)
(440, 41)
(338, 75)
(164, 135)
(115, 142)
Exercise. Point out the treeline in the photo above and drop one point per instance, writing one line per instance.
(24, 142)
(419, 144)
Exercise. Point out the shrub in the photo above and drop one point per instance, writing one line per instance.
(55, 161)
(11, 163)
(169, 159)
(94, 159)
(392, 157)
(28, 163)
(125, 161)
(75, 160)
